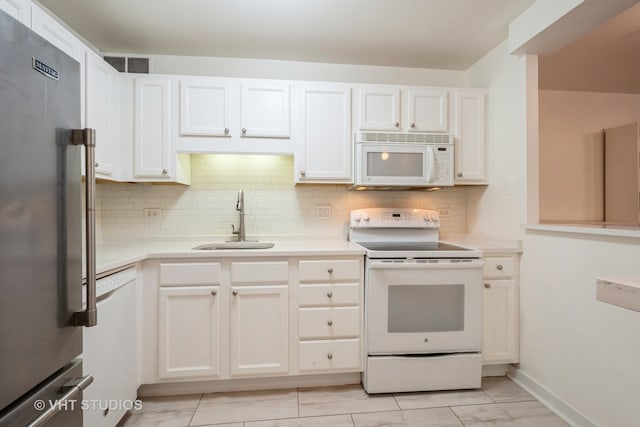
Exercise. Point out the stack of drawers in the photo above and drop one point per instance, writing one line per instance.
(330, 315)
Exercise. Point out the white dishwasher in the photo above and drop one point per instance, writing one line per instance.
(109, 351)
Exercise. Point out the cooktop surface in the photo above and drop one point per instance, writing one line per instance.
(411, 246)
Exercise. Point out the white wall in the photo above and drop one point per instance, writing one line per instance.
(583, 351)
(275, 206)
(571, 150)
(499, 209)
(292, 70)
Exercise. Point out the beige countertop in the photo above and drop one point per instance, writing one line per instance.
(114, 255)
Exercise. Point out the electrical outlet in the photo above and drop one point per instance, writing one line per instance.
(152, 213)
(443, 212)
(324, 211)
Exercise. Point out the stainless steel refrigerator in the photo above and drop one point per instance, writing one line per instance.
(41, 307)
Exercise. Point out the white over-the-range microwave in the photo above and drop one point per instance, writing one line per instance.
(403, 160)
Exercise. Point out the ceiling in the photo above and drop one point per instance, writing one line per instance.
(441, 34)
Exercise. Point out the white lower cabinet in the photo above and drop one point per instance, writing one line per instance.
(259, 330)
(500, 338)
(238, 318)
(189, 331)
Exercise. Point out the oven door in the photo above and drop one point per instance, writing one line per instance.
(419, 306)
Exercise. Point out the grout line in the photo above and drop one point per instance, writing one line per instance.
(298, 400)
(456, 415)
(196, 408)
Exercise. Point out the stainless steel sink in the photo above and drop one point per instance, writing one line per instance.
(234, 245)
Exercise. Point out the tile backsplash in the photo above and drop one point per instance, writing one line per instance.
(274, 205)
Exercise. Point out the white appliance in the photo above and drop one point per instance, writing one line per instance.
(423, 303)
(110, 351)
(405, 160)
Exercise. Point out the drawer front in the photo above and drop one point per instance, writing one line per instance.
(329, 355)
(330, 270)
(269, 272)
(348, 294)
(319, 323)
(185, 274)
(498, 267)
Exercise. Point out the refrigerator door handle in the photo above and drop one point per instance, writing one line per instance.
(87, 137)
(74, 388)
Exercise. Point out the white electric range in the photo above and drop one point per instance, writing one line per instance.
(423, 303)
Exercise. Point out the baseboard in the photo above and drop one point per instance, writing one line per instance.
(549, 399)
(248, 384)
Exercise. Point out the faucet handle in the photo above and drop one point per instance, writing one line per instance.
(233, 230)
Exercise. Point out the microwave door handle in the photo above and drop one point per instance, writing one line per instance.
(431, 164)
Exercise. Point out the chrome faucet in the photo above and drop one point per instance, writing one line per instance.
(240, 232)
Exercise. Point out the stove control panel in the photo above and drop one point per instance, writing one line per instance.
(394, 218)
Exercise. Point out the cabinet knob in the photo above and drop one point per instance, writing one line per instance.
(499, 267)
(244, 131)
(164, 171)
(413, 125)
(226, 131)
(96, 164)
(302, 173)
(329, 294)
(397, 124)
(330, 356)
(330, 323)
(487, 285)
(214, 293)
(459, 174)
(234, 293)
(330, 271)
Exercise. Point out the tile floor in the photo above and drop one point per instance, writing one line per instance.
(499, 402)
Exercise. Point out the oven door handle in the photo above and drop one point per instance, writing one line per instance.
(412, 265)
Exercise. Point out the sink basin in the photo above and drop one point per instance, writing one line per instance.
(234, 245)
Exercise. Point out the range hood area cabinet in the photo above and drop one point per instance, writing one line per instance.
(461, 112)
(229, 115)
(396, 109)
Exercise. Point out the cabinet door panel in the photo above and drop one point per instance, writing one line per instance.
(151, 127)
(205, 107)
(323, 142)
(379, 109)
(259, 330)
(265, 110)
(500, 322)
(469, 137)
(100, 112)
(428, 110)
(189, 332)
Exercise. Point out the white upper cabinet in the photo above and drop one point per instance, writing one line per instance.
(18, 9)
(323, 134)
(396, 109)
(205, 107)
(427, 110)
(265, 110)
(228, 115)
(151, 127)
(469, 133)
(102, 111)
(379, 108)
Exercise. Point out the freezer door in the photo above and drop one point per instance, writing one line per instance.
(40, 211)
(46, 404)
